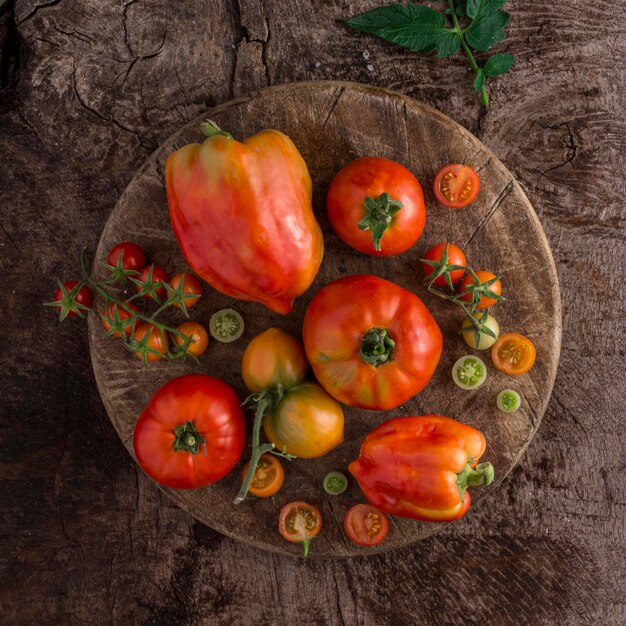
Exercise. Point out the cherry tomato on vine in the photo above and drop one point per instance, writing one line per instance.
(365, 524)
(299, 522)
(453, 265)
(513, 354)
(155, 346)
(456, 185)
(145, 281)
(133, 257)
(115, 315)
(268, 478)
(191, 288)
(69, 306)
(376, 206)
(199, 337)
(487, 284)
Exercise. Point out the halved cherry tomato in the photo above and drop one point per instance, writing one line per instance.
(133, 257)
(268, 478)
(145, 281)
(118, 317)
(468, 287)
(157, 345)
(513, 354)
(456, 185)
(299, 522)
(437, 261)
(191, 288)
(365, 524)
(199, 337)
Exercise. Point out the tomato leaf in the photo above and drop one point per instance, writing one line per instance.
(483, 7)
(498, 64)
(486, 31)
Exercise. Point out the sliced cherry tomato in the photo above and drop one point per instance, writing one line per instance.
(268, 478)
(469, 372)
(133, 257)
(299, 522)
(119, 319)
(72, 304)
(481, 287)
(190, 288)
(156, 344)
(226, 325)
(448, 263)
(199, 337)
(335, 483)
(147, 281)
(365, 524)
(513, 354)
(508, 401)
(456, 185)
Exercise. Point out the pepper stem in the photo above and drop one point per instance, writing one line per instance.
(378, 215)
(188, 439)
(377, 346)
(210, 128)
(483, 474)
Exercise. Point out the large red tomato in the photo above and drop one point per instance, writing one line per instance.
(376, 206)
(191, 433)
(371, 343)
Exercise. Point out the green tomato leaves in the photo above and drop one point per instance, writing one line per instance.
(421, 28)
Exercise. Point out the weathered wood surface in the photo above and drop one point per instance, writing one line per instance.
(332, 123)
(89, 89)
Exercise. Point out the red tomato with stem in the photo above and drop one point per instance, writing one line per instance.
(481, 287)
(456, 185)
(72, 306)
(133, 257)
(299, 522)
(119, 318)
(191, 433)
(365, 524)
(145, 283)
(190, 287)
(155, 346)
(376, 206)
(448, 263)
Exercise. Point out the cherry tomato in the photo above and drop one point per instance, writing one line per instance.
(118, 317)
(69, 306)
(299, 522)
(468, 287)
(199, 337)
(191, 288)
(376, 206)
(274, 357)
(191, 433)
(456, 185)
(145, 281)
(513, 354)
(448, 268)
(156, 344)
(268, 478)
(365, 524)
(133, 257)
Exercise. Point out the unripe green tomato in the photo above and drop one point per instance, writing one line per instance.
(469, 332)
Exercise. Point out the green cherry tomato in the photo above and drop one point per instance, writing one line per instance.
(470, 331)
(509, 401)
(226, 325)
(335, 483)
(469, 372)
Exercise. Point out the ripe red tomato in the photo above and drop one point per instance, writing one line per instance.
(365, 524)
(444, 266)
(191, 433)
(376, 206)
(299, 522)
(133, 257)
(149, 275)
(157, 342)
(115, 315)
(192, 288)
(67, 305)
(456, 185)
(199, 337)
(488, 283)
(371, 343)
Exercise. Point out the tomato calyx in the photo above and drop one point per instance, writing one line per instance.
(482, 475)
(150, 286)
(441, 268)
(119, 273)
(379, 213)
(479, 326)
(188, 439)
(68, 299)
(211, 129)
(377, 347)
(477, 290)
(176, 295)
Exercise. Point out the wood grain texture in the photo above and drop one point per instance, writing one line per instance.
(87, 92)
(332, 123)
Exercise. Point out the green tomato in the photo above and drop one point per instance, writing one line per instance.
(335, 483)
(509, 401)
(469, 372)
(226, 325)
(470, 332)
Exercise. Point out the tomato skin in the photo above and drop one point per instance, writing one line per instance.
(84, 295)
(513, 354)
(157, 345)
(335, 323)
(455, 257)
(108, 316)
(483, 276)
(307, 422)
(214, 409)
(159, 275)
(274, 357)
(365, 524)
(371, 177)
(191, 285)
(299, 522)
(134, 256)
(268, 478)
(456, 185)
(199, 337)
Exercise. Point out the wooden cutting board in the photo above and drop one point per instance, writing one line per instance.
(333, 123)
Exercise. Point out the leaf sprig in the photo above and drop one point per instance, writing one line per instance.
(473, 25)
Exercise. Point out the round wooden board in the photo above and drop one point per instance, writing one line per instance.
(333, 123)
